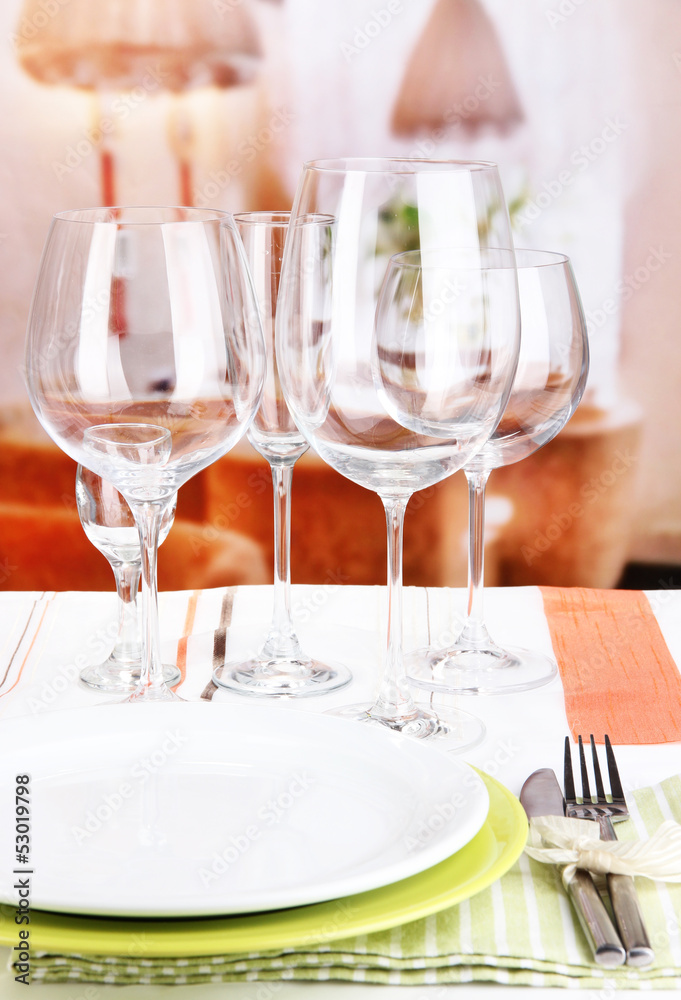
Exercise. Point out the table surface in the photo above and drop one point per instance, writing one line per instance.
(523, 731)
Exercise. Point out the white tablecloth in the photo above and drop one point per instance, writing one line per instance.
(524, 731)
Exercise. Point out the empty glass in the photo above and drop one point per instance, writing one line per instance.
(281, 667)
(548, 385)
(109, 524)
(145, 361)
(339, 322)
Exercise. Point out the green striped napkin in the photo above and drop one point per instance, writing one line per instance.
(520, 931)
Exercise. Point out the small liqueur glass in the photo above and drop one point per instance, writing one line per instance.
(109, 525)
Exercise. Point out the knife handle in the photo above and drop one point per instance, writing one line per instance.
(598, 928)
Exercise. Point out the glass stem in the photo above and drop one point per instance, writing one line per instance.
(475, 630)
(282, 641)
(127, 647)
(148, 516)
(394, 701)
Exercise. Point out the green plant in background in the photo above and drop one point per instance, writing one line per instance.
(398, 228)
(398, 224)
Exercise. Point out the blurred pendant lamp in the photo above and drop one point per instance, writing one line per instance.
(113, 46)
(457, 75)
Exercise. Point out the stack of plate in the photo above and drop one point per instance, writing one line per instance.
(206, 828)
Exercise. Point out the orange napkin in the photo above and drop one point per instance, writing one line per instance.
(618, 674)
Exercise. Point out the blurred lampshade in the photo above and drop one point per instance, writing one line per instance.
(457, 75)
(118, 44)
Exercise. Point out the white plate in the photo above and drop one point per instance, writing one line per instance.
(198, 809)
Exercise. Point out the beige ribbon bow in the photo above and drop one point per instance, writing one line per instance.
(560, 840)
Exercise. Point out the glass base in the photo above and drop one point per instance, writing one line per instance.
(448, 729)
(487, 670)
(278, 678)
(151, 694)
(116, 677)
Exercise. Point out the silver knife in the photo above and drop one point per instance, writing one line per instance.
(541, 795)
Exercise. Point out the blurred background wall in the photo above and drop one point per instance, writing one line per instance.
(218, 102)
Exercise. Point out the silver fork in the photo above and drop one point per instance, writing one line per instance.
(604, 810)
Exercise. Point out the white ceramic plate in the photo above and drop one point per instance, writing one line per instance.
(184, 809)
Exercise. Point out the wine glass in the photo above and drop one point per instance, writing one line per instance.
(327, 350)
(550, 380)
(109, 524)
(145, 361)
(280, 667)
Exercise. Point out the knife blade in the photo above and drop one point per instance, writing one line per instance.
(541, 795)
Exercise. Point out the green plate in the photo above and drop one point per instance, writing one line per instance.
(483, 860)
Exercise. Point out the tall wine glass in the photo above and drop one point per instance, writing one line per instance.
(109, 524)
(145, 361)
(327, 354)
(280, 667)
(552, 372)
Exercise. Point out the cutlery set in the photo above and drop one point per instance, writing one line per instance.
(612, 942)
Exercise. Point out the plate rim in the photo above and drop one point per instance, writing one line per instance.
(277, 930)
(279, 726)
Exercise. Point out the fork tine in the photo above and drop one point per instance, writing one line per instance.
(568, 779)
(614, 775)
(600, 791)
(586, 791)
